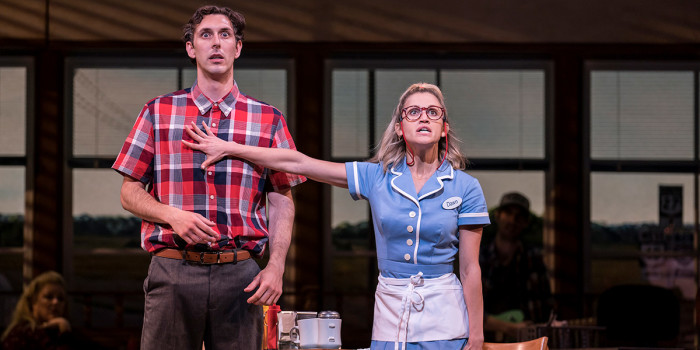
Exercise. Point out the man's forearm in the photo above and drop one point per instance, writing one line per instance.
(281, 222)
(137, 201)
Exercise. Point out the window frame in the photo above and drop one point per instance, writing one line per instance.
(27, 160)
(590, 165)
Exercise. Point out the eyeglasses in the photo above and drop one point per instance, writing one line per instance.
(413, 113)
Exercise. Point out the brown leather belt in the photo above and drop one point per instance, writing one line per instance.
(206, 258)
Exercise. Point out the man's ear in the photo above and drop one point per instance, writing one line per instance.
(190, 49)
(239, 48)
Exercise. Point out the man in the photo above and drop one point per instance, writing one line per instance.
(514, 277)
(202, 225)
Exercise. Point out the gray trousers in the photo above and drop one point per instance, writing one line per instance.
(188, 304)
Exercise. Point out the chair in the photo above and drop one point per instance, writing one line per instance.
(535, 344)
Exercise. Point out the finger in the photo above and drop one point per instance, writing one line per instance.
(206, 233)
(191, 145)
(198, 131)
(271, 298)
(207, 162)
(253, 284)
(186, 237)
(189, 131)
(255, 299)
(258, 298)
(206, 221)
(206, 127)
(193, 132)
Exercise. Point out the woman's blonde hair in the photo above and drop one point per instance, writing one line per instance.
(392, 149)
(24, 309)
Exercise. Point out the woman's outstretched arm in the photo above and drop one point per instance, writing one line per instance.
(281, 159)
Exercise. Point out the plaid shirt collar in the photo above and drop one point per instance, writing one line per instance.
(204, 104)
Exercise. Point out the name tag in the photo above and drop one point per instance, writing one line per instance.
(451, 203)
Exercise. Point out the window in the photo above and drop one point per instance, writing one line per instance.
(498, 110)
(15, 114)
(643, 180)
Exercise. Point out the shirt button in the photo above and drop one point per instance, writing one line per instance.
(407, 257)
(209, 173)
(412, 214)
(409, 241)
(409, 228)
(211, 196)
(213, 125)
(216, 104)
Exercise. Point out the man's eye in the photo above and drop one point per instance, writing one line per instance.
(225, 34)
(205, 35)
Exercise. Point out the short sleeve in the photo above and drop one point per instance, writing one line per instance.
(136, 156)
(283, 139)
(473, 210)
(361, 178)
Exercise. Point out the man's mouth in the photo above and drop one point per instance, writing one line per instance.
(216, 56)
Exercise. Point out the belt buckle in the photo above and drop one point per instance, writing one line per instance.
(202, 254)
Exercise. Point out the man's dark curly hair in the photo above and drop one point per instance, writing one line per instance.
(237, 22)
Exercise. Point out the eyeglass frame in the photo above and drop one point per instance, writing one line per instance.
(422, 110)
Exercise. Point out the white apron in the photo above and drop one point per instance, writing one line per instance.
(418, 309)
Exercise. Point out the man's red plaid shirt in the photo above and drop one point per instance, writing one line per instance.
(230, 193)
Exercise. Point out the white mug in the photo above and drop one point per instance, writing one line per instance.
(306, 333)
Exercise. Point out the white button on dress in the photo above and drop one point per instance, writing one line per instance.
(409, 242)
(409, 228)
(407, 257)
(412, 214)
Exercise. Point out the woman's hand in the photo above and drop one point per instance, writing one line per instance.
(474, 343)
(213, 147)
(58, 322)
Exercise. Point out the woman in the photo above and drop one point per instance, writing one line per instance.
(39, 320)
(425, 213)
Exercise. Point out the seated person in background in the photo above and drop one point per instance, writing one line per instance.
(514, 277)
(39, 320)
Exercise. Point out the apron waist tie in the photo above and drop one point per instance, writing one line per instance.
(406, 303)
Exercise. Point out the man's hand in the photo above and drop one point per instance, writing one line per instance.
(192, 227)
(269, 285)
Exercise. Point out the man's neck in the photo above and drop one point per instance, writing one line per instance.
(505, 247)
(215, 88)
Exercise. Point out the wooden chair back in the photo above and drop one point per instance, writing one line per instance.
(535, 344)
